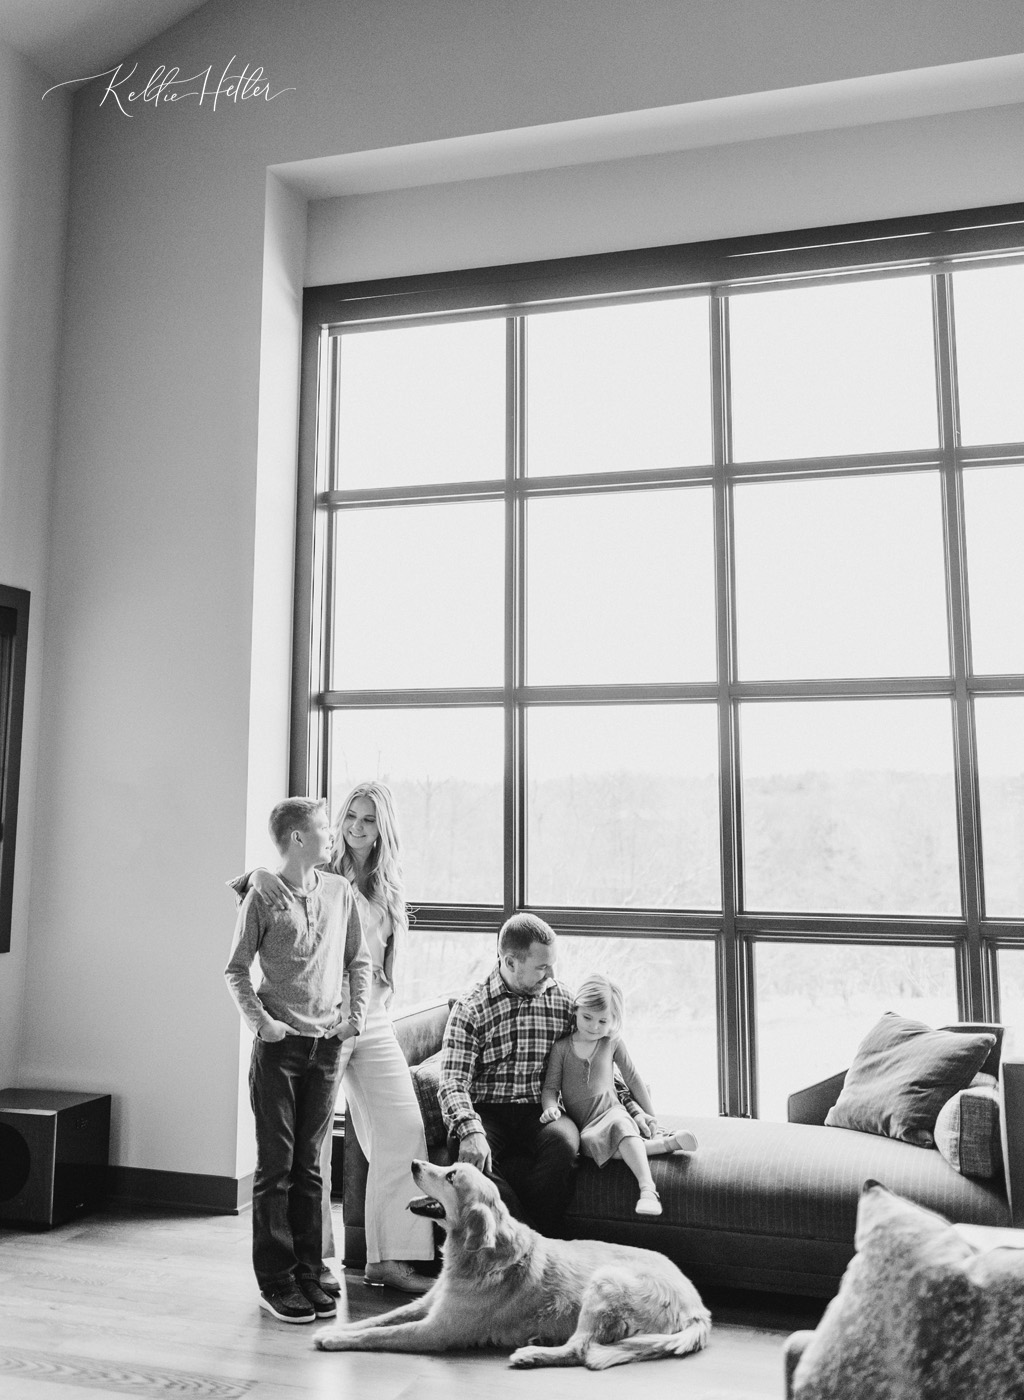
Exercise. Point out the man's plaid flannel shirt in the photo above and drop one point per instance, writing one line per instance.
(495, 1047)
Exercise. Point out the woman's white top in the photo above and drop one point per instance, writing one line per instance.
(377, 934)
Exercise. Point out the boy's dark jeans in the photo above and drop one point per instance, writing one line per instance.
(292, 1087)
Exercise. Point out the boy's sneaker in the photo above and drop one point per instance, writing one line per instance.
(287, 1303)
(318, 1298)
(329, 1283)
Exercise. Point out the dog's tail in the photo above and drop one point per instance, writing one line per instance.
(650, 1346)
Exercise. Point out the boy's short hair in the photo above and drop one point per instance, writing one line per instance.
(293, 814)
(517, 935)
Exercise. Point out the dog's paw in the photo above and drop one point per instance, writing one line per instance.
(525, 1357)
(601, 1358)
(331, 1339)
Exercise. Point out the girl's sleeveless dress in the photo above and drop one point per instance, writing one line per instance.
(588, 1093)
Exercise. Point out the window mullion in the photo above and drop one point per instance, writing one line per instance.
(735, 984)
(314, 554)
(972, 990)
(515, 616)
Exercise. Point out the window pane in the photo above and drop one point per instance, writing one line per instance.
(988, 307)
(849, 806)
(619, 388)
(623, 806)
(841, 577)
(669, 990)
(827, 370)
(1010, 963)
(419, 596)
(1000, 728)
(993, 512)
(421, 404)
(621, 587)
(441, 963)
(816, 1004)
(444, 768)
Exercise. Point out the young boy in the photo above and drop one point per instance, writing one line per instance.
(314, 993)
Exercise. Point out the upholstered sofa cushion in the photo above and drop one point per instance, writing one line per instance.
(920, 1313)
(425, 1078)
(769, 1205)
(789, 1179)
(902, 1074)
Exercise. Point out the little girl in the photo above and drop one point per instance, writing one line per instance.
(580, 1067)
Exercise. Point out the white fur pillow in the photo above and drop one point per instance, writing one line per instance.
(920, 1314)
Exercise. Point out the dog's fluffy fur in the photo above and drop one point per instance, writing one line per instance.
(561, 1303)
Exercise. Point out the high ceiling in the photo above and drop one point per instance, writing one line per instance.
(69, 39)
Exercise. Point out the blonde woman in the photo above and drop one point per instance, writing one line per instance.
(581, 1069)
(379, 1095)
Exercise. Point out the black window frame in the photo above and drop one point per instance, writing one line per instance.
(938, 244)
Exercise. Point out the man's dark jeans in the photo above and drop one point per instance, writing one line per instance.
(533, 1163)
(292, 1087)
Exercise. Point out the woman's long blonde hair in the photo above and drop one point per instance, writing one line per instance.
(381, 882)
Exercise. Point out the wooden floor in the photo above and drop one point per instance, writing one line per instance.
(155, 1304)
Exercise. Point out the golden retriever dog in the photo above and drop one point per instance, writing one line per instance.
(560, 1302)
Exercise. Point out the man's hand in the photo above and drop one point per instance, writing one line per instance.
(276, 1030)
(476, 1150)
(550, 1114)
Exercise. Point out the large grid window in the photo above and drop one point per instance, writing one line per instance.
(690, 619)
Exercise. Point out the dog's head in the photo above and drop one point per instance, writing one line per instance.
(461, 1199)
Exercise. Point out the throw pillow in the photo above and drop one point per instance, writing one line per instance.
(920, 1313)
(968, 1132)
(902, 1074)
(425, 1079)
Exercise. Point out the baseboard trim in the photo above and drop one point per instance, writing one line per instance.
(222, 1195)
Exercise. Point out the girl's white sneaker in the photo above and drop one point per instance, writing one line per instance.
(649, 1202)
(681, 1141)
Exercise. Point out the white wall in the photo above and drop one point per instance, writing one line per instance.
(34, 145)
(176, 421)
(959, 160)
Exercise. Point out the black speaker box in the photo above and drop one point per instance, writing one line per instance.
(53, 1154)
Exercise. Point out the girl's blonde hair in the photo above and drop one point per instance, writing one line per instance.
(600, 993)
(382, 882)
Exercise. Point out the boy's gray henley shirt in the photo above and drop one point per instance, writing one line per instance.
(315, 967)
